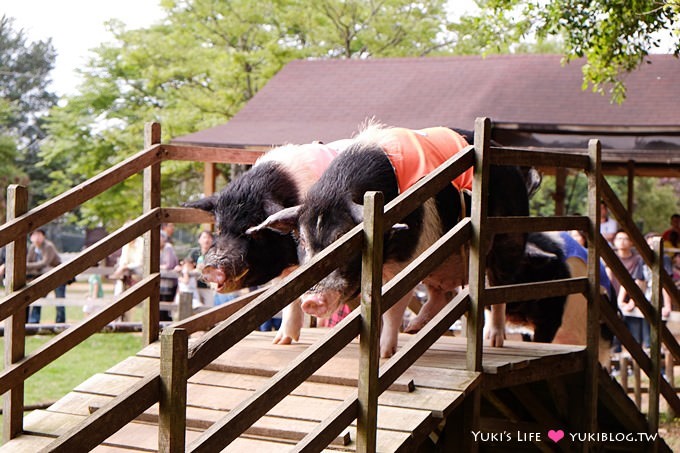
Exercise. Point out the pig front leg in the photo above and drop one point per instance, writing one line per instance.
(291, 324)
(392, 321)
(496, 332)
(436, 300)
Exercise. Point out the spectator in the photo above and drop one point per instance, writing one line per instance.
(608, 226)
(671, 236)
(95, 291)
(2, 266)
(580, 237)
(205, 241)
(129, 269)
(187, 282)
(168, 262)
(632, 317)
(41, 257)
(675, 261)
(169, 230)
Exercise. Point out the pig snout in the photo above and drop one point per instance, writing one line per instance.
(321, 304)
(214, 275)
(315, 305)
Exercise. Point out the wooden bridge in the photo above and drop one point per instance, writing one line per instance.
(211, 383)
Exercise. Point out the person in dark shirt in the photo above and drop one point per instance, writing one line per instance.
(41, 257)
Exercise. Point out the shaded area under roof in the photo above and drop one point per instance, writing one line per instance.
(328, 99)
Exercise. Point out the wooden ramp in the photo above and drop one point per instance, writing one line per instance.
(410, 411)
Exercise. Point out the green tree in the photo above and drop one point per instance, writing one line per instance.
(614, 36)
(654, 199)
(199, 66)
(24, 100)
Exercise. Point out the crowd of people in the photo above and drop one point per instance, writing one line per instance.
(641, 273)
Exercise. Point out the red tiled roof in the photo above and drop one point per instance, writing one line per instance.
(327, 99)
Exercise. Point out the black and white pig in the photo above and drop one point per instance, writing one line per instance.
(391, 160)
(279, 179)
(561, 319)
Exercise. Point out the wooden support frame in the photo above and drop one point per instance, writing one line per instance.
(655, 339)
(173, 392)
(479, 243)
(594, 175)
(15, 325)
(371, 314)
(152, 254)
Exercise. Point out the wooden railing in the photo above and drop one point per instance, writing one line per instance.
(179, 361)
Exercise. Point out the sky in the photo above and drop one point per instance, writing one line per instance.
(75, 26)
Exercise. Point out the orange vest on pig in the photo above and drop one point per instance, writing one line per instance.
(415, 153)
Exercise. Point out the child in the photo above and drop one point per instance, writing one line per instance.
(95, 291)
(187, 282)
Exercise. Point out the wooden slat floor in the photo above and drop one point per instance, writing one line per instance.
(408, 412)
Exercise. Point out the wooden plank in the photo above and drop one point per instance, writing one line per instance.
(532, 291)
(537, 158)
(27, 443)
(106, 421)
(281, 384)
(210, 154)
(534, 224)
(265, 359)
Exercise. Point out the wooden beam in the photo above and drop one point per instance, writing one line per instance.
(594, 175)
(369, 343)
(172, 416)
(76, 196)
(152, 237)
(15, 325)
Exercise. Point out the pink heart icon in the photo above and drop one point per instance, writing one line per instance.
(556, 436)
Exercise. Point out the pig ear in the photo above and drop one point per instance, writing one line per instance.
(272, 207)
(283, 222)
(205, 203)
(535, 252)
(356, 211)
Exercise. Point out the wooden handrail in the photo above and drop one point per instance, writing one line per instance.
(74, 197)
(48, 281)
(67, 340)
(537, 158)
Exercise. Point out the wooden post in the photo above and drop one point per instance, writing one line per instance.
(184, 306)
(560, 192)
(152, 199)
(15, 325)
(369, 342)
(173, 396)
(478, 245)
(593, 267)
(209, 176)
(630, 193)
(670, 377)
(655, 337)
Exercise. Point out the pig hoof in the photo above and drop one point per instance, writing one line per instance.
(284, 339)
(414, 326)
(386, 353)
(496, 340)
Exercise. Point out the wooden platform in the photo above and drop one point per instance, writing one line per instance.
(412, 409)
